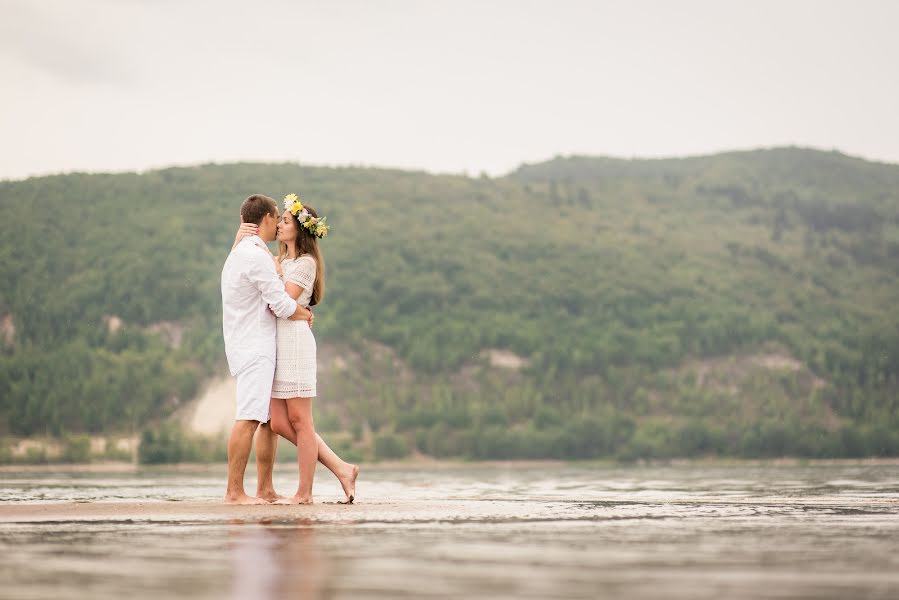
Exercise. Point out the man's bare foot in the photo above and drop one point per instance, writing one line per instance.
(295, 500)
(269, 495)
(243, 499)
(348, 483)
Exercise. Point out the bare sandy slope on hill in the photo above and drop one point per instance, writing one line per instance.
(212, 412)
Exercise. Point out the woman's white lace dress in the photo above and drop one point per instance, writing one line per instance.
(295, 365)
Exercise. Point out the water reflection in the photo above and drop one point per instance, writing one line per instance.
(276, 560)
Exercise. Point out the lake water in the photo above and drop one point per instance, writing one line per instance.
(459, 531)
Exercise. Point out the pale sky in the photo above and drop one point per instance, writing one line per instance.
(454, 86)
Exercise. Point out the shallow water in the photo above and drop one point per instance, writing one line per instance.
(476, 531)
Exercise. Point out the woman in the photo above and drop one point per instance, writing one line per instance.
(302, 268)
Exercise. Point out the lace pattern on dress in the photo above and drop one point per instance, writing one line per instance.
(295, 368)
(301, 271)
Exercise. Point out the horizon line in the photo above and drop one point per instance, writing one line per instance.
(463, 173)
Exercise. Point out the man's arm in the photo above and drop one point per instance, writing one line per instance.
(262, 275)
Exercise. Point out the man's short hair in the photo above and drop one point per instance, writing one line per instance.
(256, 207)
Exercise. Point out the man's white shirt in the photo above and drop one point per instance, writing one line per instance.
(250, 284)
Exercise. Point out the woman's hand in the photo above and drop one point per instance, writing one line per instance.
(302, 314)
(245, 229)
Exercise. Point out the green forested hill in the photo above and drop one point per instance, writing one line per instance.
(626, 286)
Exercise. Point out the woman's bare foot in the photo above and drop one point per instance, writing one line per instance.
(244, 499)
(269, 495)
(348, 483)
(295, 500)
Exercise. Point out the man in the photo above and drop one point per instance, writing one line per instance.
(251, 292)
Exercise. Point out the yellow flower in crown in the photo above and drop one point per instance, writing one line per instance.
(292, 203)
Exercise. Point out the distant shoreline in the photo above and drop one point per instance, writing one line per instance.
(127, 467)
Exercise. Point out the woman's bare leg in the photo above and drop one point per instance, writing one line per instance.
(345, 472)
(299, 413)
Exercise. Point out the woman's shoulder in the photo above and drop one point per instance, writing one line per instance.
(304, 264)
(303, 258)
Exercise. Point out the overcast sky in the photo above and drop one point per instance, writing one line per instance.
(112, 85)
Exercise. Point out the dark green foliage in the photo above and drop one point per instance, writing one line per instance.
(605, 275)
(77, 449)
(389, 446)
(169, 444)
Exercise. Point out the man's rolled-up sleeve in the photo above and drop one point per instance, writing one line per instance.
(262, 274)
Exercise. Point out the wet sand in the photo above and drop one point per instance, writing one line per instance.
(447, 511)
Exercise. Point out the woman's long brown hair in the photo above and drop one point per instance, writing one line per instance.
(306, 243)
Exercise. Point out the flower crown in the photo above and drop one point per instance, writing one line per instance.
(317, 226)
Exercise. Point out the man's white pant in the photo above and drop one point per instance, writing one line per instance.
(254, 390)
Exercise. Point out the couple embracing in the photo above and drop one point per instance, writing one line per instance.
(267, 323)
